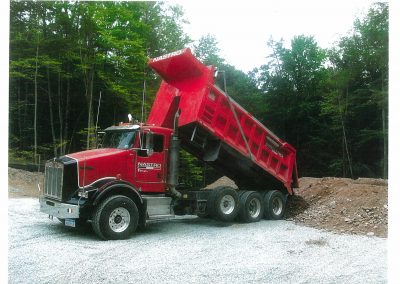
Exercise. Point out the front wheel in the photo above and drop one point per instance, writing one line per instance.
(116, 218)
(274, 205)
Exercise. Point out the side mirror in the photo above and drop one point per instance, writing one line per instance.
(149, 152)
(149, 141)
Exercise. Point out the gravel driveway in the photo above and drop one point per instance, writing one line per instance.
(188, 250)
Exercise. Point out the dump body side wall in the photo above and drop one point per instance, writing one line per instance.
(263, 148)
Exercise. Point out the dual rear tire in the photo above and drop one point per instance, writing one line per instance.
(226, 204)
(251, 206)
(274, 205)
(223, 204)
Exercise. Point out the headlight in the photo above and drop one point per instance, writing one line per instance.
(83, 193)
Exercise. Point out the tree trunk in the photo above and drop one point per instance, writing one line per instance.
(59, 113)
(385, 153)
(26, 103)
(19, 112)
(90, 136)
(66, 118)
(35, 112)
(344, 135)
(53, 134)
(343, 158)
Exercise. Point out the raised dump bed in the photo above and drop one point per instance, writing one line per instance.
(216, 129)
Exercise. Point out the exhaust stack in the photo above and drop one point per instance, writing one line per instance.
(173, 168)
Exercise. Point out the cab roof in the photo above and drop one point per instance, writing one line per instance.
(129, 126)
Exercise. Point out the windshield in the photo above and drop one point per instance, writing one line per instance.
(118, 139)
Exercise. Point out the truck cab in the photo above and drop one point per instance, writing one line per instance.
(131, 159)
(146, 152)
(134, 153)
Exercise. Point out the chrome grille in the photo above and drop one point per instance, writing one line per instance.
(53, 180)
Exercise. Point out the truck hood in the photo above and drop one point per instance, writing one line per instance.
(93, 154)
(98, 164)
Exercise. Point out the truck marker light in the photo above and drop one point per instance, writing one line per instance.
(84, 194)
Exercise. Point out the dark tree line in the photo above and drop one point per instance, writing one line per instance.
(330, 104)
(65, 55)
(336, 100)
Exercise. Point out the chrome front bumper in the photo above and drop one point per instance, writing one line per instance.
(58, 209)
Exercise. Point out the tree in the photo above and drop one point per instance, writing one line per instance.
(207, 51)
(63, 54)
(291, 83)
(361, 63)
(332, 104)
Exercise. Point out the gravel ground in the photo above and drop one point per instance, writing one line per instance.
(188, 250)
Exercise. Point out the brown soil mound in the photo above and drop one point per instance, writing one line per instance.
(337, 204)
(24, 184)
(341, 205)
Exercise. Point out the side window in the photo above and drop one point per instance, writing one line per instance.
(158, 143)
(150, 143)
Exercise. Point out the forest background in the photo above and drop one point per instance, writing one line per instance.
(330, 104)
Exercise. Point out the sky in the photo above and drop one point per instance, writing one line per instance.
(242, 28)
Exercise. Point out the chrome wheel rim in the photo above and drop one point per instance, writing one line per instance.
(227, 204)
(254, 207)
(277, 206)
(119, 219)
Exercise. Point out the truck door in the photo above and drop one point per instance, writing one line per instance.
(150, 163)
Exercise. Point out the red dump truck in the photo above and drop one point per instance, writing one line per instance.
(132, 178)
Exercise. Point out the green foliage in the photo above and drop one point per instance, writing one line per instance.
(190, 170)
(331, 105)
(358, 80)
(72, 51)
(19, 157)
(291, 85)
(208, 52)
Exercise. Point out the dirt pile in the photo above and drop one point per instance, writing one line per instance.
(341, 205)
(336, 204)
(24, 184)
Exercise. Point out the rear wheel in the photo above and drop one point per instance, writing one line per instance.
(223, 204)
(274, 205)
(116, 218)
(251, 207)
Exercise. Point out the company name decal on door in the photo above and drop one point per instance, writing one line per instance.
(144, 167)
